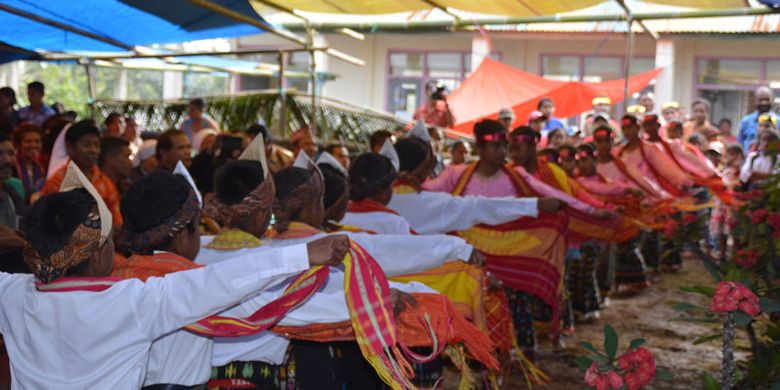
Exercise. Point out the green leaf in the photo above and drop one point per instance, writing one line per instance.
(636, 343)
(663, 374)
(703, 290)
(741, 319)
(589, 347)
(769, 305)
(711, 268)
(685, 306)
(610, 341)
(697, 320)
(584, 362)
(708, 382)
(705, 339)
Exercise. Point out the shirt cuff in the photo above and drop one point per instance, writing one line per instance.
(295, 257)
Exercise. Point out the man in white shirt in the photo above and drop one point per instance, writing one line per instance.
(70, 327)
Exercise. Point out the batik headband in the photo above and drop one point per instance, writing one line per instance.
(628, 122)
(145, 242)
(495, 137)
(229, 215)
(308, 192)
(524, 139)
(88, 237)
(82, 244)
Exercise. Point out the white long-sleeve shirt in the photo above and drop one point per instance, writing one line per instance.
(380, 222)
(102, 340)
(438, 212)
(396, 254)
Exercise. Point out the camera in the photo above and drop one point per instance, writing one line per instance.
(437, 92)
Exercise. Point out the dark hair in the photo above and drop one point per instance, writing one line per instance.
(5, 137)
(411, 153)
(236, 179)
(553, 131)
(369, 174)
(735, 148)
(542, 101)
(153, 199)
(12, 261)
(331, 147)
(288, 179)
(110, 146)
(552, 153)
(703, 102)
(572, 150)
(335, 184)
(724, 120)
(256, 129)
(51, 220)
(487, 126)
(25, 128)
(54, 125)
(198, 102)
(378, 138)
(81, 129)
(165, 141)
(632, 119)
(9, 94)
(588, 148)
(111, 117)
(525, 130)
(37, 86)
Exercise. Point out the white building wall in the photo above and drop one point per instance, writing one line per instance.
(366, 86)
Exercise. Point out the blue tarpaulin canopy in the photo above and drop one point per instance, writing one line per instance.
(126, 23)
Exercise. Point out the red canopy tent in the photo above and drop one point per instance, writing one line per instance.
(494, 86)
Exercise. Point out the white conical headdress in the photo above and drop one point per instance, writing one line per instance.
(389, 151)
(59, 155)
(74, 179)
(304, 161)
(182, 171)
(328, 159)
(420, 131)
(256, 152)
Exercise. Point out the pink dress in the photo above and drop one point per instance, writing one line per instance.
(499, 185)
(595, 185)
(661, 163)
(692, 159)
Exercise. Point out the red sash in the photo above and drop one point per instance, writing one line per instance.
(621, 166)
(583, 226)
(665, 184)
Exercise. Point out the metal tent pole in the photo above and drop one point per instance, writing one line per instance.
(313, 83)
(91, 87)
(282, 129)
(629, 54)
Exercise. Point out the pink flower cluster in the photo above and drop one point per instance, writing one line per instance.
(732, 296)
(773, 220)
(746, 258)
(602, 380)
(757, 216)
(639, 367)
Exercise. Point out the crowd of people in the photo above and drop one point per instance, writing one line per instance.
(201, 258)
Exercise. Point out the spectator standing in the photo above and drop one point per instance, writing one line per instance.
(36, 112)
(28, 144)
(198, 119)
(7, 103)
(436, 111)
(748, 127)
